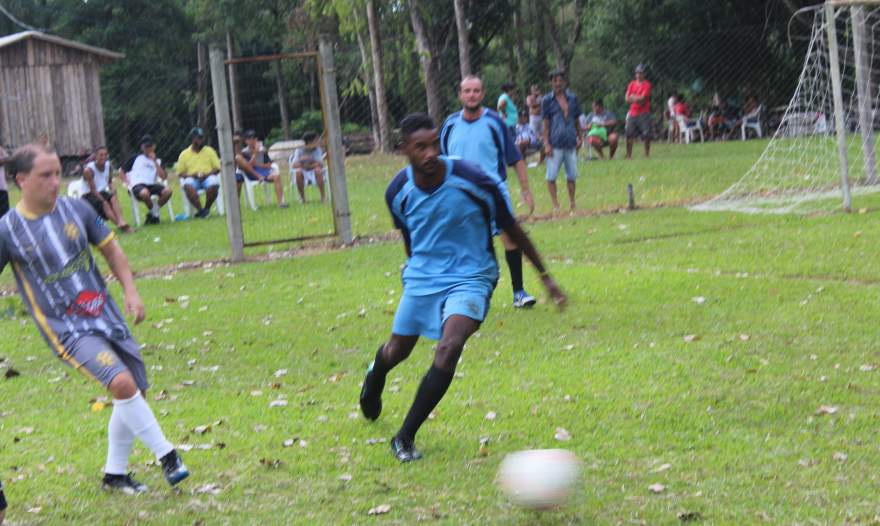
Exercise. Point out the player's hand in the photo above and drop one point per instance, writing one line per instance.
(526, 196)
(559, 297)
(548, 150)
(134, 306)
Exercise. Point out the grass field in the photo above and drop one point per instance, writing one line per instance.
(696, 353)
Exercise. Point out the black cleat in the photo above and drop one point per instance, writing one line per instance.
(371, 394)
(404, 449)
(123, 483)
(151, 220)
(173, 468)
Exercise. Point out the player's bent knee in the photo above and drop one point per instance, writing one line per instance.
(447, 354)
(122, 386)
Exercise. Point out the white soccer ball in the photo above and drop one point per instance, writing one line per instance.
(539, 479)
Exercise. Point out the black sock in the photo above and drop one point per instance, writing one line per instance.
(431, 390)
(380, 367)
(514, 263)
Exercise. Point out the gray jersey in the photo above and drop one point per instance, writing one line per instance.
(57, 275)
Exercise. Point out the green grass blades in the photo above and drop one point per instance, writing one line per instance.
(729, 358)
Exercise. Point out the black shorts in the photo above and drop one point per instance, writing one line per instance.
(96, 203)
(154, 189)
(4, 202)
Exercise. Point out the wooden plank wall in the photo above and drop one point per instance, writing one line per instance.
(46, 88)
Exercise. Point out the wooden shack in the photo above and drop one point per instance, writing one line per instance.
(51, 86)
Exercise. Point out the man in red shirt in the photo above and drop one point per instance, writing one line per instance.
(638, 120)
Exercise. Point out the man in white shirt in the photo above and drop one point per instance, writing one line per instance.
(101, 196)
(143, 173)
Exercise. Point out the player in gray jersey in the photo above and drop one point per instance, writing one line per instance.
(46, 241)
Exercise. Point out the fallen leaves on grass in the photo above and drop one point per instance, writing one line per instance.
(212, 488)
(98, 406)
(699, 300)
(491, 415)
(840, 456)
(271, 463)
(381, 509)
(278, 403)
(689, 516)
(280, 372)
(562, 434)
(827, 410)
(11, 373)
(688, 338)
(661, 468)
(744, 337)
(657, 488)
(867, 368)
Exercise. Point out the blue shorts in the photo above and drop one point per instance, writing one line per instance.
(426, 315)
(201, 184)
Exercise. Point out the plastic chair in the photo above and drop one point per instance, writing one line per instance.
(687, 128)
(135, 210)
(753, 121)
(77, 189)
(187, 206)
(249, 185)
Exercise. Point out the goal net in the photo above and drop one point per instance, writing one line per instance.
(822, 152)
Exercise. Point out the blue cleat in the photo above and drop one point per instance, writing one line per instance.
(522, 299)
(173, 468)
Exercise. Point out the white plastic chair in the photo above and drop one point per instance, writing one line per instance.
(135, 210)
(187, 206)
(77, 189)
(249, 185)
(753, 121)
(687, 128)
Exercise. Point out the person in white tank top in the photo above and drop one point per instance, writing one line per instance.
(101, 196)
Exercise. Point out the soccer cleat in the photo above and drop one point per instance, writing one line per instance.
(173, 468)
(522, 299)
(404, 449)
(203, 213)
(123, 483)
(152, 220)
(371, 395)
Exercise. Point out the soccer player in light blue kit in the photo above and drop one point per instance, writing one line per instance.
(46, 240)
(446, 210)
(479, 135)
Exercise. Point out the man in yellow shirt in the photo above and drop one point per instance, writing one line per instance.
(198, 167)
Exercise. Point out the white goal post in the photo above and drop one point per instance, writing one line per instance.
(810, 160)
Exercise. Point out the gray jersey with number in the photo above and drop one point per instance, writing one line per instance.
(57, 275)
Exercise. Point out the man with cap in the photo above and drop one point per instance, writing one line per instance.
(142, 172)
(198, 167)
(561, 111)
(638, 120)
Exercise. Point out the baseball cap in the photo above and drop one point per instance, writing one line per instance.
(197, 132)
(640, 68)
(250, 134)
(146, 140)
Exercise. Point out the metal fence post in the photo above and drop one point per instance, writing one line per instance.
(840, 126)
(227, 154)
(333, 127)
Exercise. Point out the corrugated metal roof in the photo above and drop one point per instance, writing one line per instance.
(24, 35)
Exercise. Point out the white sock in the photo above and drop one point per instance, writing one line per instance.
(136, 414)
(155, 210)
(119, 441)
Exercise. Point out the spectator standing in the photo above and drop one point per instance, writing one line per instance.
(638, 120)
(198, 167)
(506, 107)
(4, 189)
(560, 110)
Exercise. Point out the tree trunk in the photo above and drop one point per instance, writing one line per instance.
(538, 30)
(427, 61)
(282, 101)
(202, 86)
(366, 74)
(464, 56)
(519, 49)
(564, 51)
(233, 86)
(379, 76)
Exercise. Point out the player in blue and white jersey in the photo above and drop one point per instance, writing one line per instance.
(46, 240)
(477, 134)
(446, 210)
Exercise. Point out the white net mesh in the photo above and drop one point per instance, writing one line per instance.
(799, 171)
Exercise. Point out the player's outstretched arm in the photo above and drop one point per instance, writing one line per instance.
(119, 266)
(518, 236)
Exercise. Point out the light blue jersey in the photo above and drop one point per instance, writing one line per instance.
(486, 142)
(448, 229)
